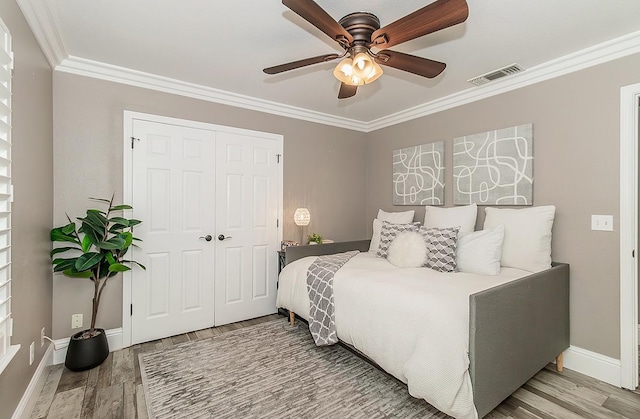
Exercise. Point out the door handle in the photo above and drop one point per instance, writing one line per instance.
(207, 237)
(222, 237)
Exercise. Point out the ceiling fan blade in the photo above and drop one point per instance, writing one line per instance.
(406, 62)
(314, 14)
(434, 17)
(300, 63)
(346, 91)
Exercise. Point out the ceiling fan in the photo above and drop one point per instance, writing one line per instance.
(357, 33)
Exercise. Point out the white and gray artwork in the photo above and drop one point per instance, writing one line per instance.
(418, 175)
(494, 168)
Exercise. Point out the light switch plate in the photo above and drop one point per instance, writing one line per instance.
(602, 222)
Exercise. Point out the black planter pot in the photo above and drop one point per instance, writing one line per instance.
(84, 354)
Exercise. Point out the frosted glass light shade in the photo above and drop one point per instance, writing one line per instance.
(344, 72)
(362, 65)
(374, 74)
(302, 217)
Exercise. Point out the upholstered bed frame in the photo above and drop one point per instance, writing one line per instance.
(515, 329)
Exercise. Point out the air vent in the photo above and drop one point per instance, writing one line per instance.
(496, 74)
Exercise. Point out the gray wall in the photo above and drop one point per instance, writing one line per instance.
(32, 206)
(576, 129)
(324, 170)
(576, 122)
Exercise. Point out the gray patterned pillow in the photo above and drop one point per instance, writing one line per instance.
(389, 232)
(441, 248)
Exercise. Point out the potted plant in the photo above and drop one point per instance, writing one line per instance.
(98, 246)
(315, 239)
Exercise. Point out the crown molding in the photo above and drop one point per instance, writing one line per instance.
(43, 21)
(597, 54)
(103, 71)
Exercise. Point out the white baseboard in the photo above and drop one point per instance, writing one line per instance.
(31, 394)
(114, 337)
(593, 364)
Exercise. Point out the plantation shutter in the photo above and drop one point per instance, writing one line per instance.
(6, 65)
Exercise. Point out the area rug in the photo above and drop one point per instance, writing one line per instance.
(271, 370)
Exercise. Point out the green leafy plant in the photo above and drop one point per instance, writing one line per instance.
(315, 238)
(100, 244)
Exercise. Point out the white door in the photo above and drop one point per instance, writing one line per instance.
(173, 193)
(187, 184)
(246, 216)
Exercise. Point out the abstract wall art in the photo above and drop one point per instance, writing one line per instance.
(494, 168)
(418, 175)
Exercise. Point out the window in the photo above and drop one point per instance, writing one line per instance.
(7, 351)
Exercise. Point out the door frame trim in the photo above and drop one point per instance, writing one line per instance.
(629, 136)
(127, 185)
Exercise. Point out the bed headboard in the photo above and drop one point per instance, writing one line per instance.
(298, 252)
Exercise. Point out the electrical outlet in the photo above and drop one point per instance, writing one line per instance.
(32, 352)
(42, 337)
(602, 222)
(76, 321)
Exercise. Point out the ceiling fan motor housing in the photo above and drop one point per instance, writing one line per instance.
(360, 25)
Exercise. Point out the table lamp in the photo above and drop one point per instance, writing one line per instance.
(302, 218)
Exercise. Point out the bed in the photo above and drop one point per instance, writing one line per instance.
(488, 335)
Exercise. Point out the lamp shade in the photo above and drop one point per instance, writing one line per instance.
(302, 217)
(344, 73)
(362, 65)
(374, 74)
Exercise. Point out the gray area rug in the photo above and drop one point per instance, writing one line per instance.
(271, 370)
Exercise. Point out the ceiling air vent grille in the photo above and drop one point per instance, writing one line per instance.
(496, 74)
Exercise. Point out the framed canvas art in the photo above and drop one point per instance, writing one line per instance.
(418, 175)
(494, 168)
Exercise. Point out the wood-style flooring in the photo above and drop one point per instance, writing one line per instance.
(114, 389)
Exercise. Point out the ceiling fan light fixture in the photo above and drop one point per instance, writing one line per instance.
(357, 71)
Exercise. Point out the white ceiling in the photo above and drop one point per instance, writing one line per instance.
(225, 45)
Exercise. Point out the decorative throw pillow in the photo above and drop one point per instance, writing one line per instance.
(408, 250)
(403, 217)
(480, 252)
(527, 236)
(464, 216)
(441, 248)
(389, 232)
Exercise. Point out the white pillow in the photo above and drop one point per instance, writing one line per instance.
(480, 252)
(408, 250)
(527, 236)
(464, 216)
(375, 238)
(404, 217)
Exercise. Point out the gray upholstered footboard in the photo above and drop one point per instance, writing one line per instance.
(515, 329)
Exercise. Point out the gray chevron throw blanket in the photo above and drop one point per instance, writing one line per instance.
(320, 288)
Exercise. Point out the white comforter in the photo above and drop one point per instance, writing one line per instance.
(413, 322)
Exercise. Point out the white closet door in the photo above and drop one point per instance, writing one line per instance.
(246, 215)
(173, 194)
